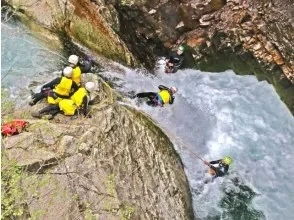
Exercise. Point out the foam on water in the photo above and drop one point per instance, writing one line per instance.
(217, 114)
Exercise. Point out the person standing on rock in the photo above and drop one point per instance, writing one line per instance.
(175, 60)
(164, 96)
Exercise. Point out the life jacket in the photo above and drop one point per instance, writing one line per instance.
(165, 96)
(64, 87)
(78, 96)
(67, 106)
(13, 127)
(76, 75)
(53, 98)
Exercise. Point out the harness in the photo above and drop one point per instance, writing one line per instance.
(158, 100)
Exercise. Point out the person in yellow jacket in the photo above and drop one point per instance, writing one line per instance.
(164, 96)
(79, 101)
(64, 87)
(78, 67)
(57, 89)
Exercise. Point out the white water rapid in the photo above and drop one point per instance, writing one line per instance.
(218, 114)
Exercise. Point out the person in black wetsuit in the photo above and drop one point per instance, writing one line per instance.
(164, 96)
(175, 60)
(220, 167)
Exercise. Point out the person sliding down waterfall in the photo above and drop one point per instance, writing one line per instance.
(220, 168)
(175, 60)
(164, 96)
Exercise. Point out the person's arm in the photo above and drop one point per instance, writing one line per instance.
(180, 61)
(52, 83)
(85, 106)
(73, 89)
(171, 100)
(215, 161)
(161, 87)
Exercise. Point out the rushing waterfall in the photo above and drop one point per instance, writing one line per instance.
(214, 114)
(218, 114)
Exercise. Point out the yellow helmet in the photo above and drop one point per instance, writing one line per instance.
(227, 160)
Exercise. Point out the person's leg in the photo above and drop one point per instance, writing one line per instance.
(52, 110)
(52, 113)
(49, 108)
(149, 95)
(37, 97)
(151, 103)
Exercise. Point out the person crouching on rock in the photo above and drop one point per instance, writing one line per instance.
(63, 87)
(78, 103)
(164, 96)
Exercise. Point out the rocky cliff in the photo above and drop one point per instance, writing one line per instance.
(116, 165)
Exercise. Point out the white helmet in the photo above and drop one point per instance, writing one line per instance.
(73, 59)
(90, 86)
(67, 71)
(173, 89)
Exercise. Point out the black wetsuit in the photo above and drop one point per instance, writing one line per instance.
(177, 61)
(54, 109)
(153, 96)
(221, 169)
(47, 90)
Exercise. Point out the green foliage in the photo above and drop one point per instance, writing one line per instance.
(111, 184)
(13, 197)
(127, 212)
(89, 213)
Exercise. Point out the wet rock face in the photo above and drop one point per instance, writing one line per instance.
(116, 165)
